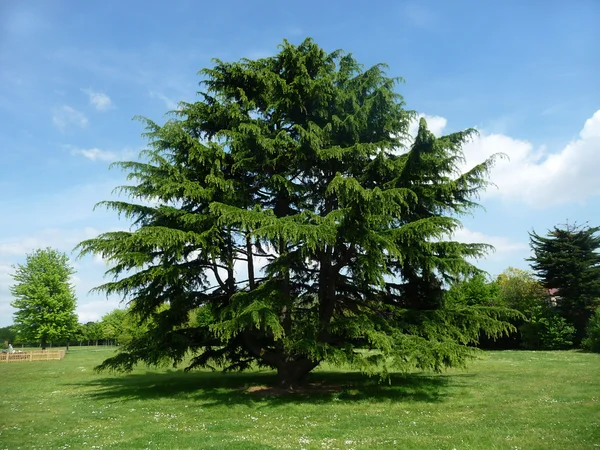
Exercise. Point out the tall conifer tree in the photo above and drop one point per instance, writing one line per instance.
(299, 160)
(567, 260)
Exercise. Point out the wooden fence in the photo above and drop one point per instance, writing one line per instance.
(36, 355)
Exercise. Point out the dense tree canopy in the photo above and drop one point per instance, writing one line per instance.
(113, 325)
(476, 290)
(44, 297)
(7, 335)
(567, 259)
(287, 212)
(92, 332)
(520, 290)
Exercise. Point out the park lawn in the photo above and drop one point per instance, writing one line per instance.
(506, 400)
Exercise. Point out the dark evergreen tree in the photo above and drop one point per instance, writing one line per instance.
(299, 159)
(567, 259)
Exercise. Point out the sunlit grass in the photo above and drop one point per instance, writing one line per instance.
(507, 400)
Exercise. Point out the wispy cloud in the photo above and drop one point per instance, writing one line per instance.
(96, 154)
(66, 116)
(100, 100)
(503, 246)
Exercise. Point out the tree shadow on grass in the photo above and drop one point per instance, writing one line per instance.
(253, 389)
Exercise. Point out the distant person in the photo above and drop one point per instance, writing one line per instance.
(10, 348)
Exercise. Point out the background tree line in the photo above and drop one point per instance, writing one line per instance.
(558, 301)
(559, 298)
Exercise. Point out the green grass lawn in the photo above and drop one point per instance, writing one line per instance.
(507, 400)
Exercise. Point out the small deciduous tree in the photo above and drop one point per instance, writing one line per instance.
(92, 332)
(44, 297)
(300, 160)
(567, 259)
(539, 328)
(474, 291)
(121, 326)
(520, 290)
(112, 325)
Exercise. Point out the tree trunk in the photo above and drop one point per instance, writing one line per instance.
(291, 374)
(327, 291)
(43, 343)
(250, 256)
(580, 322)
(67, 345)
(286, 295)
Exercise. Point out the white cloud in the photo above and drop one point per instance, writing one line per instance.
(95, 154)
(66, 115)
(435, 124)
(503, 246)
(538, 177)
(94, 310)
(534, 176)
(100, 100)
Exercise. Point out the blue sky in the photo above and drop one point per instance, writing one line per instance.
(73, 74)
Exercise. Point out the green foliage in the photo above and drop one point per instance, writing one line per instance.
(92, 332)
(518, 289)
(545, 330)
(522, 393)
(112, 325)
(122, 326)
(592, 339)
(567, 259)
(474, 291)
(297, 163)
(44, 297)
(8, 335)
